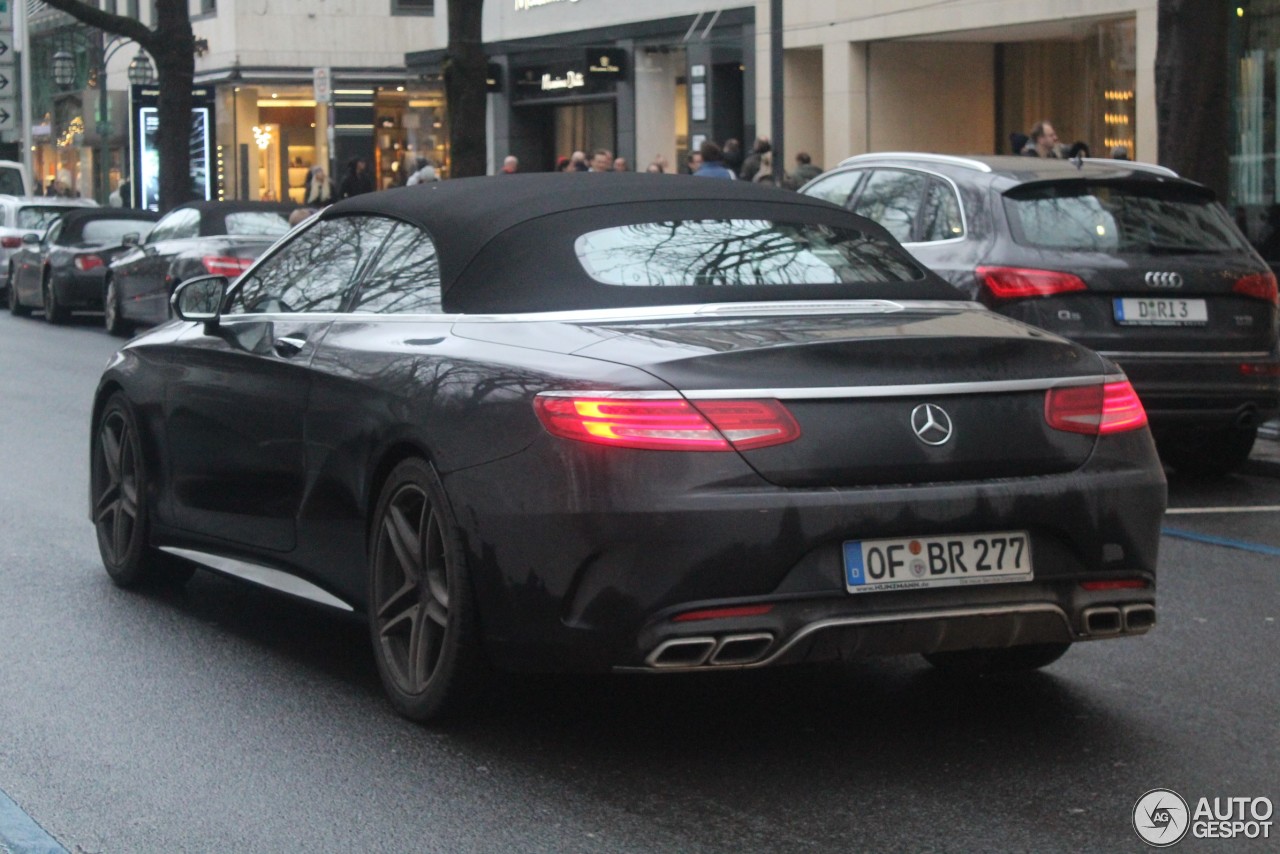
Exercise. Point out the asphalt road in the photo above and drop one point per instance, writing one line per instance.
(225, 718)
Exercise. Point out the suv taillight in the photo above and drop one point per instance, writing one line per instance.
(668, 424)
(1022, 282)
(1095, 410)
(1259, 286)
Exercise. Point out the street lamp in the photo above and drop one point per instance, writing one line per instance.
(64, 68)
(141, 72)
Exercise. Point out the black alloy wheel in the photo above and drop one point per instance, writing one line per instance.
(1014, 659)
(16, 308)
(54, 311)
(119, 486)
(422, 610)
(111, 309)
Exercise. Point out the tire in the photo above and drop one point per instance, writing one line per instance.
(16, 308)
(118, 481)
(111, 318)
(422, 612)
(54, 312)
(1207, 453)
(1013, 659)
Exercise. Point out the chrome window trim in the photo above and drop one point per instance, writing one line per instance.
(847, 392)
(1152, 354)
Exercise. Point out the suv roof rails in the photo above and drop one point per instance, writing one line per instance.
(965, 162)
(1136, 165)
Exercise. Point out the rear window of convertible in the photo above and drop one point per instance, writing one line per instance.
(738, 252)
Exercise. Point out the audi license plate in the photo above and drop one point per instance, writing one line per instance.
(910, 564)
(1161, 311)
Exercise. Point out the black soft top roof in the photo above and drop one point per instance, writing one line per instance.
(73, 220)
(530, 221)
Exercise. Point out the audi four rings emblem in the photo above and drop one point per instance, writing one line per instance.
(931, 423)
(1163, 280)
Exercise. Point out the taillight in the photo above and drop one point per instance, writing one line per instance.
(1259, 286)
(218, 265)
(10, 242)
(1115, 584)
(668, 424)
(1260, 369)
(1019, 282)
(1095, 409)
(85, 263)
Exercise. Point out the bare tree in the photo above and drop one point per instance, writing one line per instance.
(1192, 98)
(171, 44)
(464, 84)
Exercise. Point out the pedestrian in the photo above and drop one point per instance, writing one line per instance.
(562, 163)
(602, 160)
(1119, 152)
(764, 174)
(300, 215)
(713, 163)
(578, 162)
(806, 171)
(656, 168)
(357, 180)
(123, 195)
(695, 161)
(751, 165)
(510, 165)
(620, 164)
(1078, 149)
(1042, 141)
(424, 174)
(733, 156)
(320, 190)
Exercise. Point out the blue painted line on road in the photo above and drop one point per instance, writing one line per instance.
(19, 833)
(1257, 548)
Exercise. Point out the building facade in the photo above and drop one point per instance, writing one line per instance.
(956, 77)
(256, 70)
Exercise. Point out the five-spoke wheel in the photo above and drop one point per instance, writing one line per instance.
(422, 611)
(54, 311)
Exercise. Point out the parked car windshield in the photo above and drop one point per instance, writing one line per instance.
(113, 230)
(257, 223)
(1120, 218)
(738, 252)
(39, 216)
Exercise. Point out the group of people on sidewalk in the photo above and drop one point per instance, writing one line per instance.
(1042, 141)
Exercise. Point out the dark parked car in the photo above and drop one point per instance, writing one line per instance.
(647, 424)
(194, 239)
(63, 270)
(1126, 258)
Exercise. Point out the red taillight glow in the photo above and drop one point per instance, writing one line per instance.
(1115, 584)
(10, 242)
(1260, 369)
(85, 263)
(1095, 409)
(1020, 282)
(218, 265)
(1259, 286)
(668, 425)
(721, 613)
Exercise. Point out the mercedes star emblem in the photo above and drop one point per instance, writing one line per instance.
(931, 424)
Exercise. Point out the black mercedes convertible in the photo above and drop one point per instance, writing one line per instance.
(628, 423)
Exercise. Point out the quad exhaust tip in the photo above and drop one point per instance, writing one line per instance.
(719, 652)
(1128, 619)
(1138, 618)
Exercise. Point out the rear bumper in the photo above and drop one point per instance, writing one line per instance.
(1208, 389)
(562, 587)
(78, 289)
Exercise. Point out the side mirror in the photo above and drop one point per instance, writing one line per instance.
(31, 239)
(133, 238)
(200, 300)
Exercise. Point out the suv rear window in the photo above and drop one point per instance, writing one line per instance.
(1120, 218)
(738, 252)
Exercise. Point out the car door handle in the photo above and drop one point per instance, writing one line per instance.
(289, 345)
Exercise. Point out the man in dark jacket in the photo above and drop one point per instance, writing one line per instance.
(357, 180)
(751, 165)
(805, 170)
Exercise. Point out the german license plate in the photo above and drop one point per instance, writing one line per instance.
(910, 564)
(1161, 311)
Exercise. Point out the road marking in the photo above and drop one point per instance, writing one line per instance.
(1258, 548)
(20, 834)
(1264, 508)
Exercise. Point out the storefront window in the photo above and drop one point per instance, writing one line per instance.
(1255, 180)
